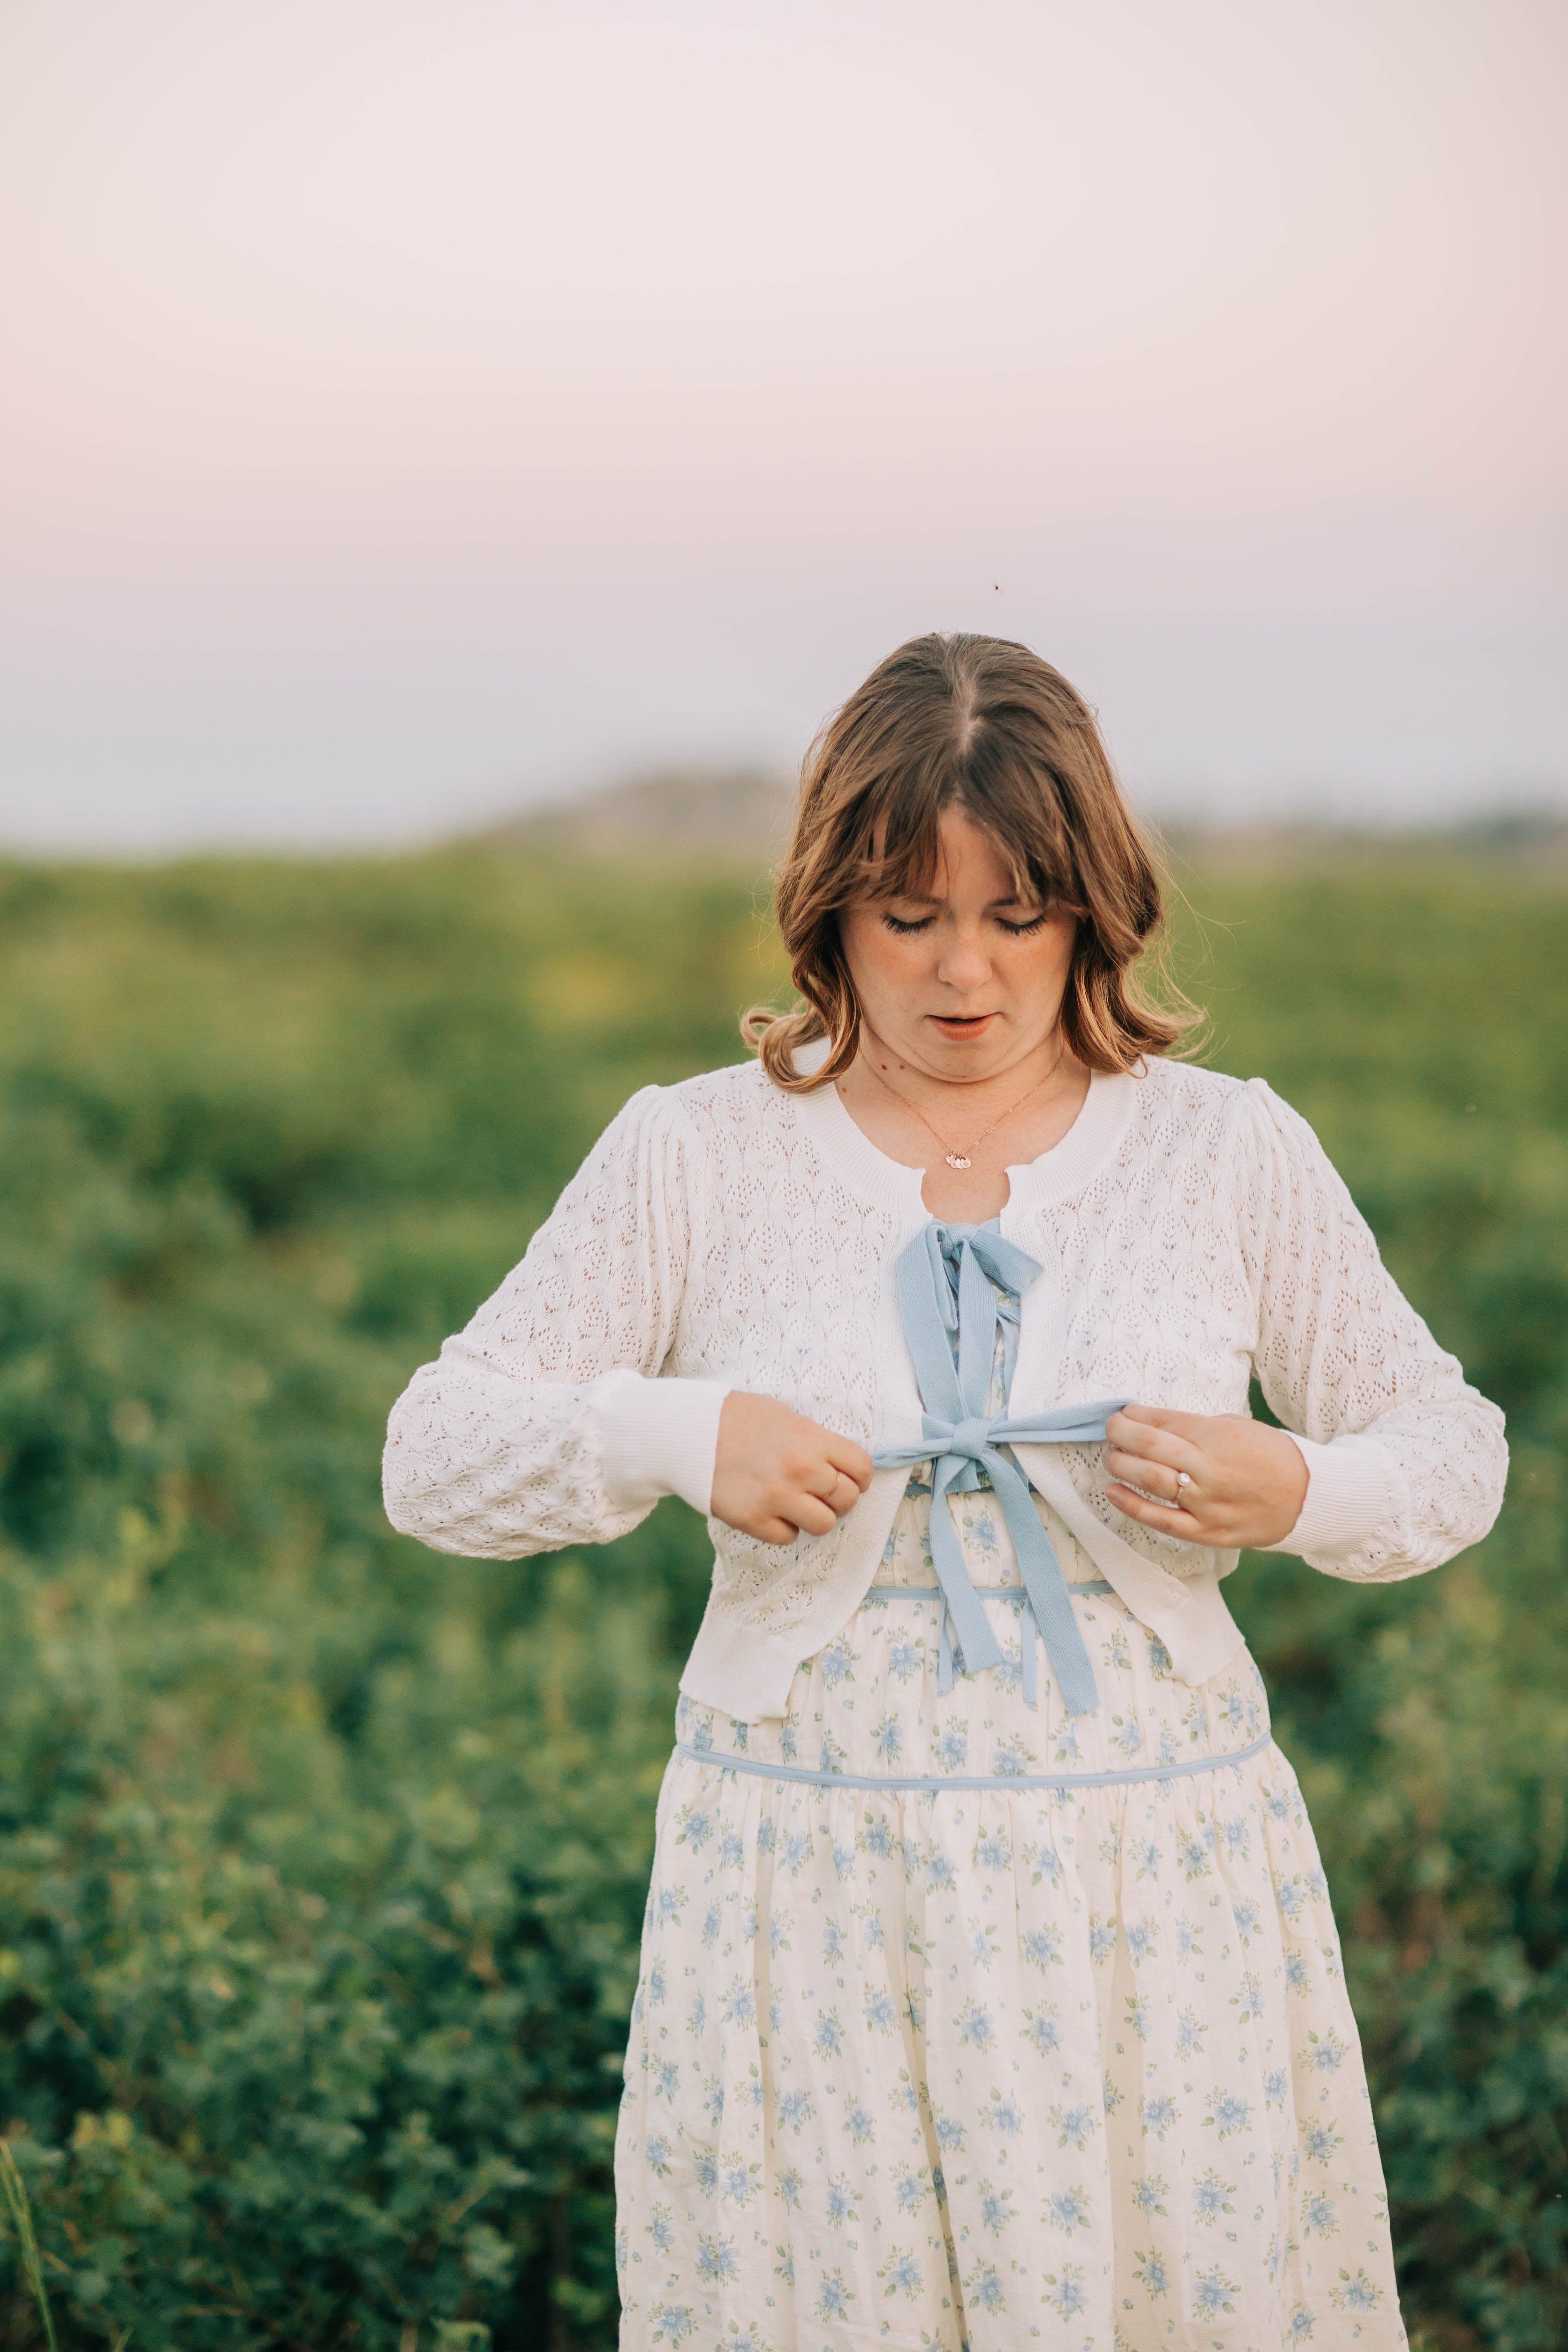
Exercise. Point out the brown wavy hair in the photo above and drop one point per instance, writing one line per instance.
(985, 726)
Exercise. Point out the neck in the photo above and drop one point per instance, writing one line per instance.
(963, 1092)
(987, 1123)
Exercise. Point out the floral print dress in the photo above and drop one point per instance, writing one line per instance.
(966, 2024)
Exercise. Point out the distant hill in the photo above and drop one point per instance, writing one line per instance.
(1534, 837)
(728, 813)
(743, 815)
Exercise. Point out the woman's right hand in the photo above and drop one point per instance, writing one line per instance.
(776, 1474)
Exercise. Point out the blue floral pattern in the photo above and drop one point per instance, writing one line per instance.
(976, 2069)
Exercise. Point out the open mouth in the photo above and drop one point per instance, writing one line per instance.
(962, 1024)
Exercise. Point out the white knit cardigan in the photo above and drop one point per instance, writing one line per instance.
(724, 1234)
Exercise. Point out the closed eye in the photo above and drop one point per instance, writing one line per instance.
(904, 928)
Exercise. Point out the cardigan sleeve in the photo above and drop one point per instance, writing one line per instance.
(1406, 1460)
(545, 1421)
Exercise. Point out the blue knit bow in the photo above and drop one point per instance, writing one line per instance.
(951, 1318)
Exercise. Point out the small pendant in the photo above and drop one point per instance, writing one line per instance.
(955, 1159)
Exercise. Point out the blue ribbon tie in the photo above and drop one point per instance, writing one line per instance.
(951, 1315)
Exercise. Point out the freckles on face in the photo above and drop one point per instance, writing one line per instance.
(964, 965)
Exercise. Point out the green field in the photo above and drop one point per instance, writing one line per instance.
(322, 1857)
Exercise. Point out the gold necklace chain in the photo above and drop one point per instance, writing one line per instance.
(960, 1160)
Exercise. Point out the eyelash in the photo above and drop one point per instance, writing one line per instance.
(1015, 930)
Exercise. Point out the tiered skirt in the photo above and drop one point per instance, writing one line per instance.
(966, 2024)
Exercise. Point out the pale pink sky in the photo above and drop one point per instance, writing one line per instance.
(411, 405)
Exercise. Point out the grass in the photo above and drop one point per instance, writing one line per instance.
(321, 1858)
(21, 2213)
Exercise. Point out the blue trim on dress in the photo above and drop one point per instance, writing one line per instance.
(1006, 1782)
(985, 1592)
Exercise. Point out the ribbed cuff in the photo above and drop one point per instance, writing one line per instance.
(660, 1438)
(1352, 1488)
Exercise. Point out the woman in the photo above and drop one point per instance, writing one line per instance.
(990, 1993)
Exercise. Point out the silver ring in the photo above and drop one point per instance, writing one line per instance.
(1183, 1479)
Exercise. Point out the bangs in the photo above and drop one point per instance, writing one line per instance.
(896, 845)
(982, 725)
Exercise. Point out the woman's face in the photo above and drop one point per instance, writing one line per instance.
(966, 983)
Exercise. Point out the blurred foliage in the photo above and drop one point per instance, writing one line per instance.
(321, 1858)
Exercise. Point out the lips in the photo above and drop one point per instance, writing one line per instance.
(963, 1026)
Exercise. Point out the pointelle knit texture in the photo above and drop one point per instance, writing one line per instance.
(725, 1234)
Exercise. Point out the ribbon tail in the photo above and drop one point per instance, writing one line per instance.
(1058, 1425)
(1047, 1588)
(977, 1331)
(975, 1639)
(923, 1302)
(901, 1457)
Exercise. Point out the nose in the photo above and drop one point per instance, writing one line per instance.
(963, 963)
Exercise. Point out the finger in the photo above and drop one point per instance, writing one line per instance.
(1152, 1445)
(1162, 1515)
(1156, 1477)
(836, 1490)
(811, 1514)
(1160, 1416)
(1174, 1462)
(834, 1487)
(851, 1459)
(772, 1531)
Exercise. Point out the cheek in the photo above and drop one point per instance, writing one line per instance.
(877, 958)
(1053, 949)
(1036, 968)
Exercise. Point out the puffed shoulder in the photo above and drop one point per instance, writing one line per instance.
(690, 1103)
(1276, 1126)
(675, 1128)
(1192, 1085)
(1184, 1093)
(735, 1088)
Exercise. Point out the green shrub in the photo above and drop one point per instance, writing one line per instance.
(313, 2054)
(322, 1858)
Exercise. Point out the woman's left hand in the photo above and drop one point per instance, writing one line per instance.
(1245, 1482)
